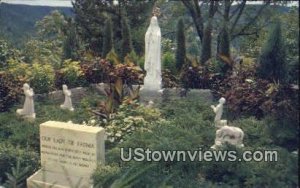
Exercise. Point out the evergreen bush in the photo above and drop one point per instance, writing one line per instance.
(272, 61)
(126, 38)
(108, 39)
(180, 49)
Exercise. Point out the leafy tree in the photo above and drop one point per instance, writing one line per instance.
(273, 57)
(90, 18)
(290, 20)
(5, 53)
(52, 26)
(180, 50)
(108, 40)
(231, 20)
(52, 32)
(207, 32)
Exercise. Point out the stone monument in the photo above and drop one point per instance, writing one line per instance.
(69, 155)
(68, 101)
(218, 110)
(230, 135)
(152, 88)
(28, 109)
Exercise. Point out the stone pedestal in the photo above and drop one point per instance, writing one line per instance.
(47, 179)
(69, 155)
(155, 96)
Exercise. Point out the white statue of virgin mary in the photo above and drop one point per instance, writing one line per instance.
(152, 65)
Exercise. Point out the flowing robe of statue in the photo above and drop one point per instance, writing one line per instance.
(152, 65)
(28, 108)
(68, 101)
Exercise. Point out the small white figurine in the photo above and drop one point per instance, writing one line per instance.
(28, 108)
(219, 111)
(230, 135)
(68, 101)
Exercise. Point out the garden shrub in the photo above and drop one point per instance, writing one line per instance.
(130, 118)
(9, 155)
(169, 80)
(113, 57)
(168, 62)
(180, 50)
(9, 91)
(108, 71)
(190, 77)
(248, 95)
(97, 70)
(196, 77)
(42, 77)
(71, 74)
(273, 57)
(244, 93)
(19, 70)
(129, 73)
(132, 57)
(91, 73)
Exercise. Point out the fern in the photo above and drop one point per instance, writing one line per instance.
(17, 177)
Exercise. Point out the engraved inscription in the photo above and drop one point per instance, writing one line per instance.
(68, 152)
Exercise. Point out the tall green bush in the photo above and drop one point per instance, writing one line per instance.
(126, 41)
(180, 50)
(272, 61)
(108, 39)
(72, 45)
